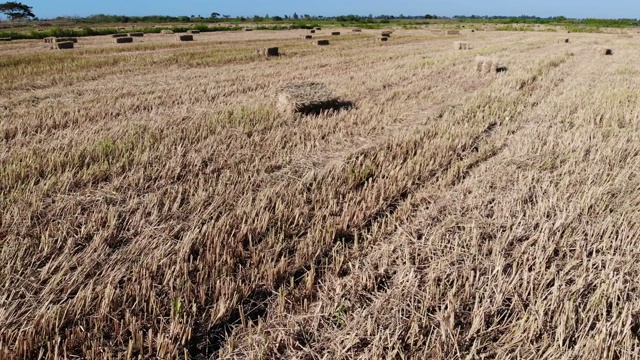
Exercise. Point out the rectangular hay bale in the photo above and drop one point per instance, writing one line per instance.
(306, 37)
(321, 42)
(272, 51)
(187, 37)
(335, 33)
(136, 34)
(383, 38)
(461, 45)
(486, 65)
(65, 39)
(308, 98)
(119, 35)
(193, 31)
(604, 51)
(311, 31)
(63, 45)
(317, 28)
(123, 40)
(356, 30)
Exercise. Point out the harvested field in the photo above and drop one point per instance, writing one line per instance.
(156, 204)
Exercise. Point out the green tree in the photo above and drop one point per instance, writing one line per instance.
(295, 16)
(214, 15)
(16, 10)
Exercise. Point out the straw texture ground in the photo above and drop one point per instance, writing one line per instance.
(155, 204)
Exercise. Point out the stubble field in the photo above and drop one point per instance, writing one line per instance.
(154, 203)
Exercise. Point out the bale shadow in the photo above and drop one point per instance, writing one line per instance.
(329, 107)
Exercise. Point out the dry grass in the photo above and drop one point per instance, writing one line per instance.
(154, 204)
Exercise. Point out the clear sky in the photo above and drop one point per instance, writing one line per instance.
(542, 8)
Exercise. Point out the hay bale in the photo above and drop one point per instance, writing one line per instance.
(321, 42)
(311, 31)
(193, 31)
(317, 28)
(308, 98)
(188, 37)
(486, 65)
(136, 34)
(248, 29)
(166, 32)
(273, 51)
(5, 38)
(63, 45)
(604, 51)
(119, 35)
(563, 41)
(123, 40)
(356, 30)
(386, 33)
(64, 39)
(453, 32)
(382, 38)
(48, 40)
(335, 33)
(461, 45)
(306, 37)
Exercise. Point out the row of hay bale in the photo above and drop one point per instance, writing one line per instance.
(61, 42)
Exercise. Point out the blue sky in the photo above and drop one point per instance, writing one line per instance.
(543, 8)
